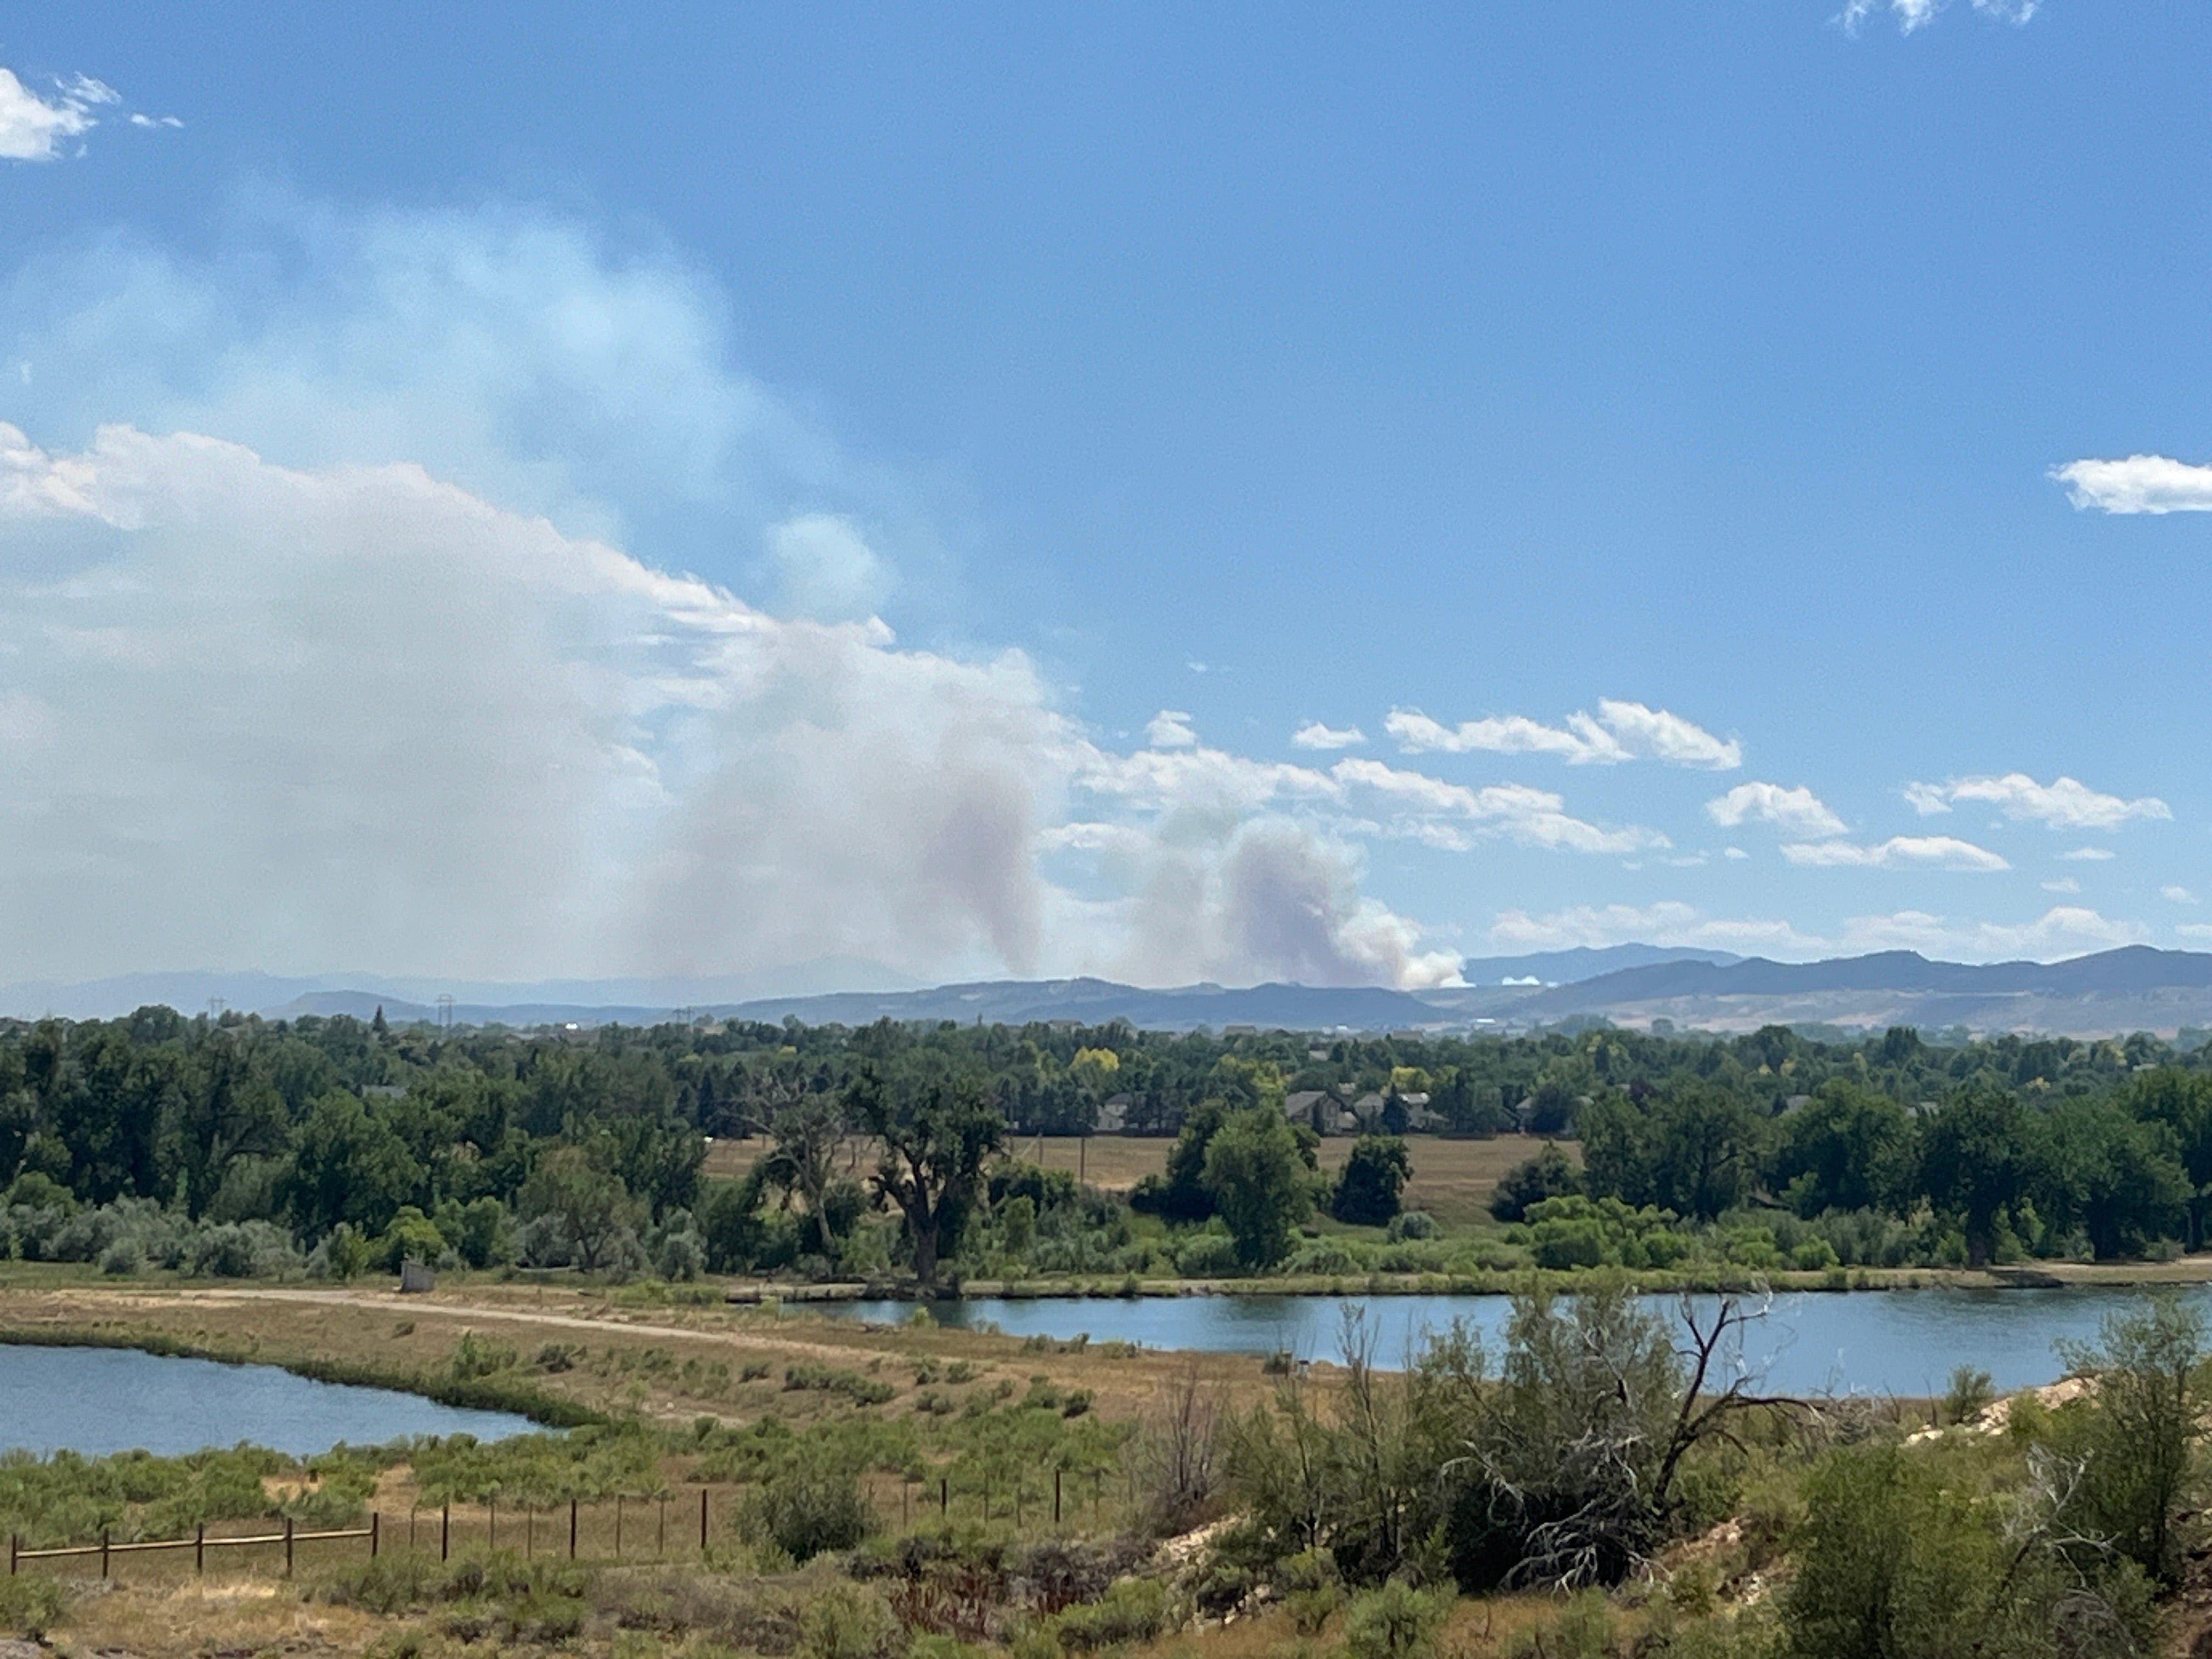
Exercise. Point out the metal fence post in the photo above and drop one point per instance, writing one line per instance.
(375, 1533)
(199, 1549)
(943, 1496)
(702, 1520)
(618, 1526)
(288, 1547)
(572, 1529)
(445, 1529)
(491, 1509)
(1056, 1497)
(15, 1548)
(103, 1552)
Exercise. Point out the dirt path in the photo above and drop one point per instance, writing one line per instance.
(378, 1302)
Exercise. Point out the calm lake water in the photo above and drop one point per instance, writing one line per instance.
(97, 1401)
(1899, 1342)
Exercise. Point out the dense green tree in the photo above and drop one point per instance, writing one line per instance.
(1261, 1184)
(1693, 1149)
(936, 1136)
(2116, 1177)
(1369, 1186)
(1550, 1174)
(1847, 1148)
(2182, 1101)
(346, 1165)
(583, 1200)
(1976, 1162)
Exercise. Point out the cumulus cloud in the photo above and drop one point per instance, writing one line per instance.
(2065, 804)
(1619, 732)
(1669, 923)
(1534, 817)
(1795, 812)
(1898, 853)
(828, 569)
(1170, 729)
(2177, 895)
(1315, 735)
(35, 129)
(2062, 885)
(2062, 931)
(1914, 15)
(2089, 854)
(2141, 484)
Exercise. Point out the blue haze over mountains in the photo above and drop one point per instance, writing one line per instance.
(2133, 988)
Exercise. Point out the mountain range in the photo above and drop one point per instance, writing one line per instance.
(2133, 988)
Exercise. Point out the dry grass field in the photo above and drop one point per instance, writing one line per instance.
(1452, 1180)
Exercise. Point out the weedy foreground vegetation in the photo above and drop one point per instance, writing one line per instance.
(1607, 1482)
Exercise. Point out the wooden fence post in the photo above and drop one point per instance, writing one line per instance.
(618, 1526)
(103, 1552)
(1056, 1497)
(660, 1543)
(445, 1529)
(572, 1529)
(702, 1520)
(492, 1541)
(375, 1533)
(199, 1549)
(943, 1496)
(288, 1547)
(15, 1549)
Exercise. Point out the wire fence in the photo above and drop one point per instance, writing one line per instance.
(661, 1526)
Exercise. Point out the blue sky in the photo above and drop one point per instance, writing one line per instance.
(530, 492)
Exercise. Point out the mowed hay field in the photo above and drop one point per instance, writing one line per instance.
(1452, 1180)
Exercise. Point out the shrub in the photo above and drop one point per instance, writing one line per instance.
(1412, 1224)
(1394, 1621)
(849, 1621)
(805, 1508)
(241, 1249)
(30, 1604)
(1969, 1391)
(1132, 1610)
(1207, 1256)
(1548, 1175)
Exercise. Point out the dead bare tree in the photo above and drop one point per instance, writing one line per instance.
(1175, 1456)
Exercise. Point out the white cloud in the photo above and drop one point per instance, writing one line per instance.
(1620, 732)
(2089, 854)
(32, 128)
(2195, 929)
(2141, 484)
(1898, 853)
(2063, 884)
(2065, 804)
(2177, 895)
(1795, 812)
(1534, 817)
(1733, 852)
(1315, 735)
(1913, 15)
(1668, 923)
(829, 571)
(2064, 931)
(1170, 729)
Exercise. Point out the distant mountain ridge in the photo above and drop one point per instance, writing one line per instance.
(2136, 987)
